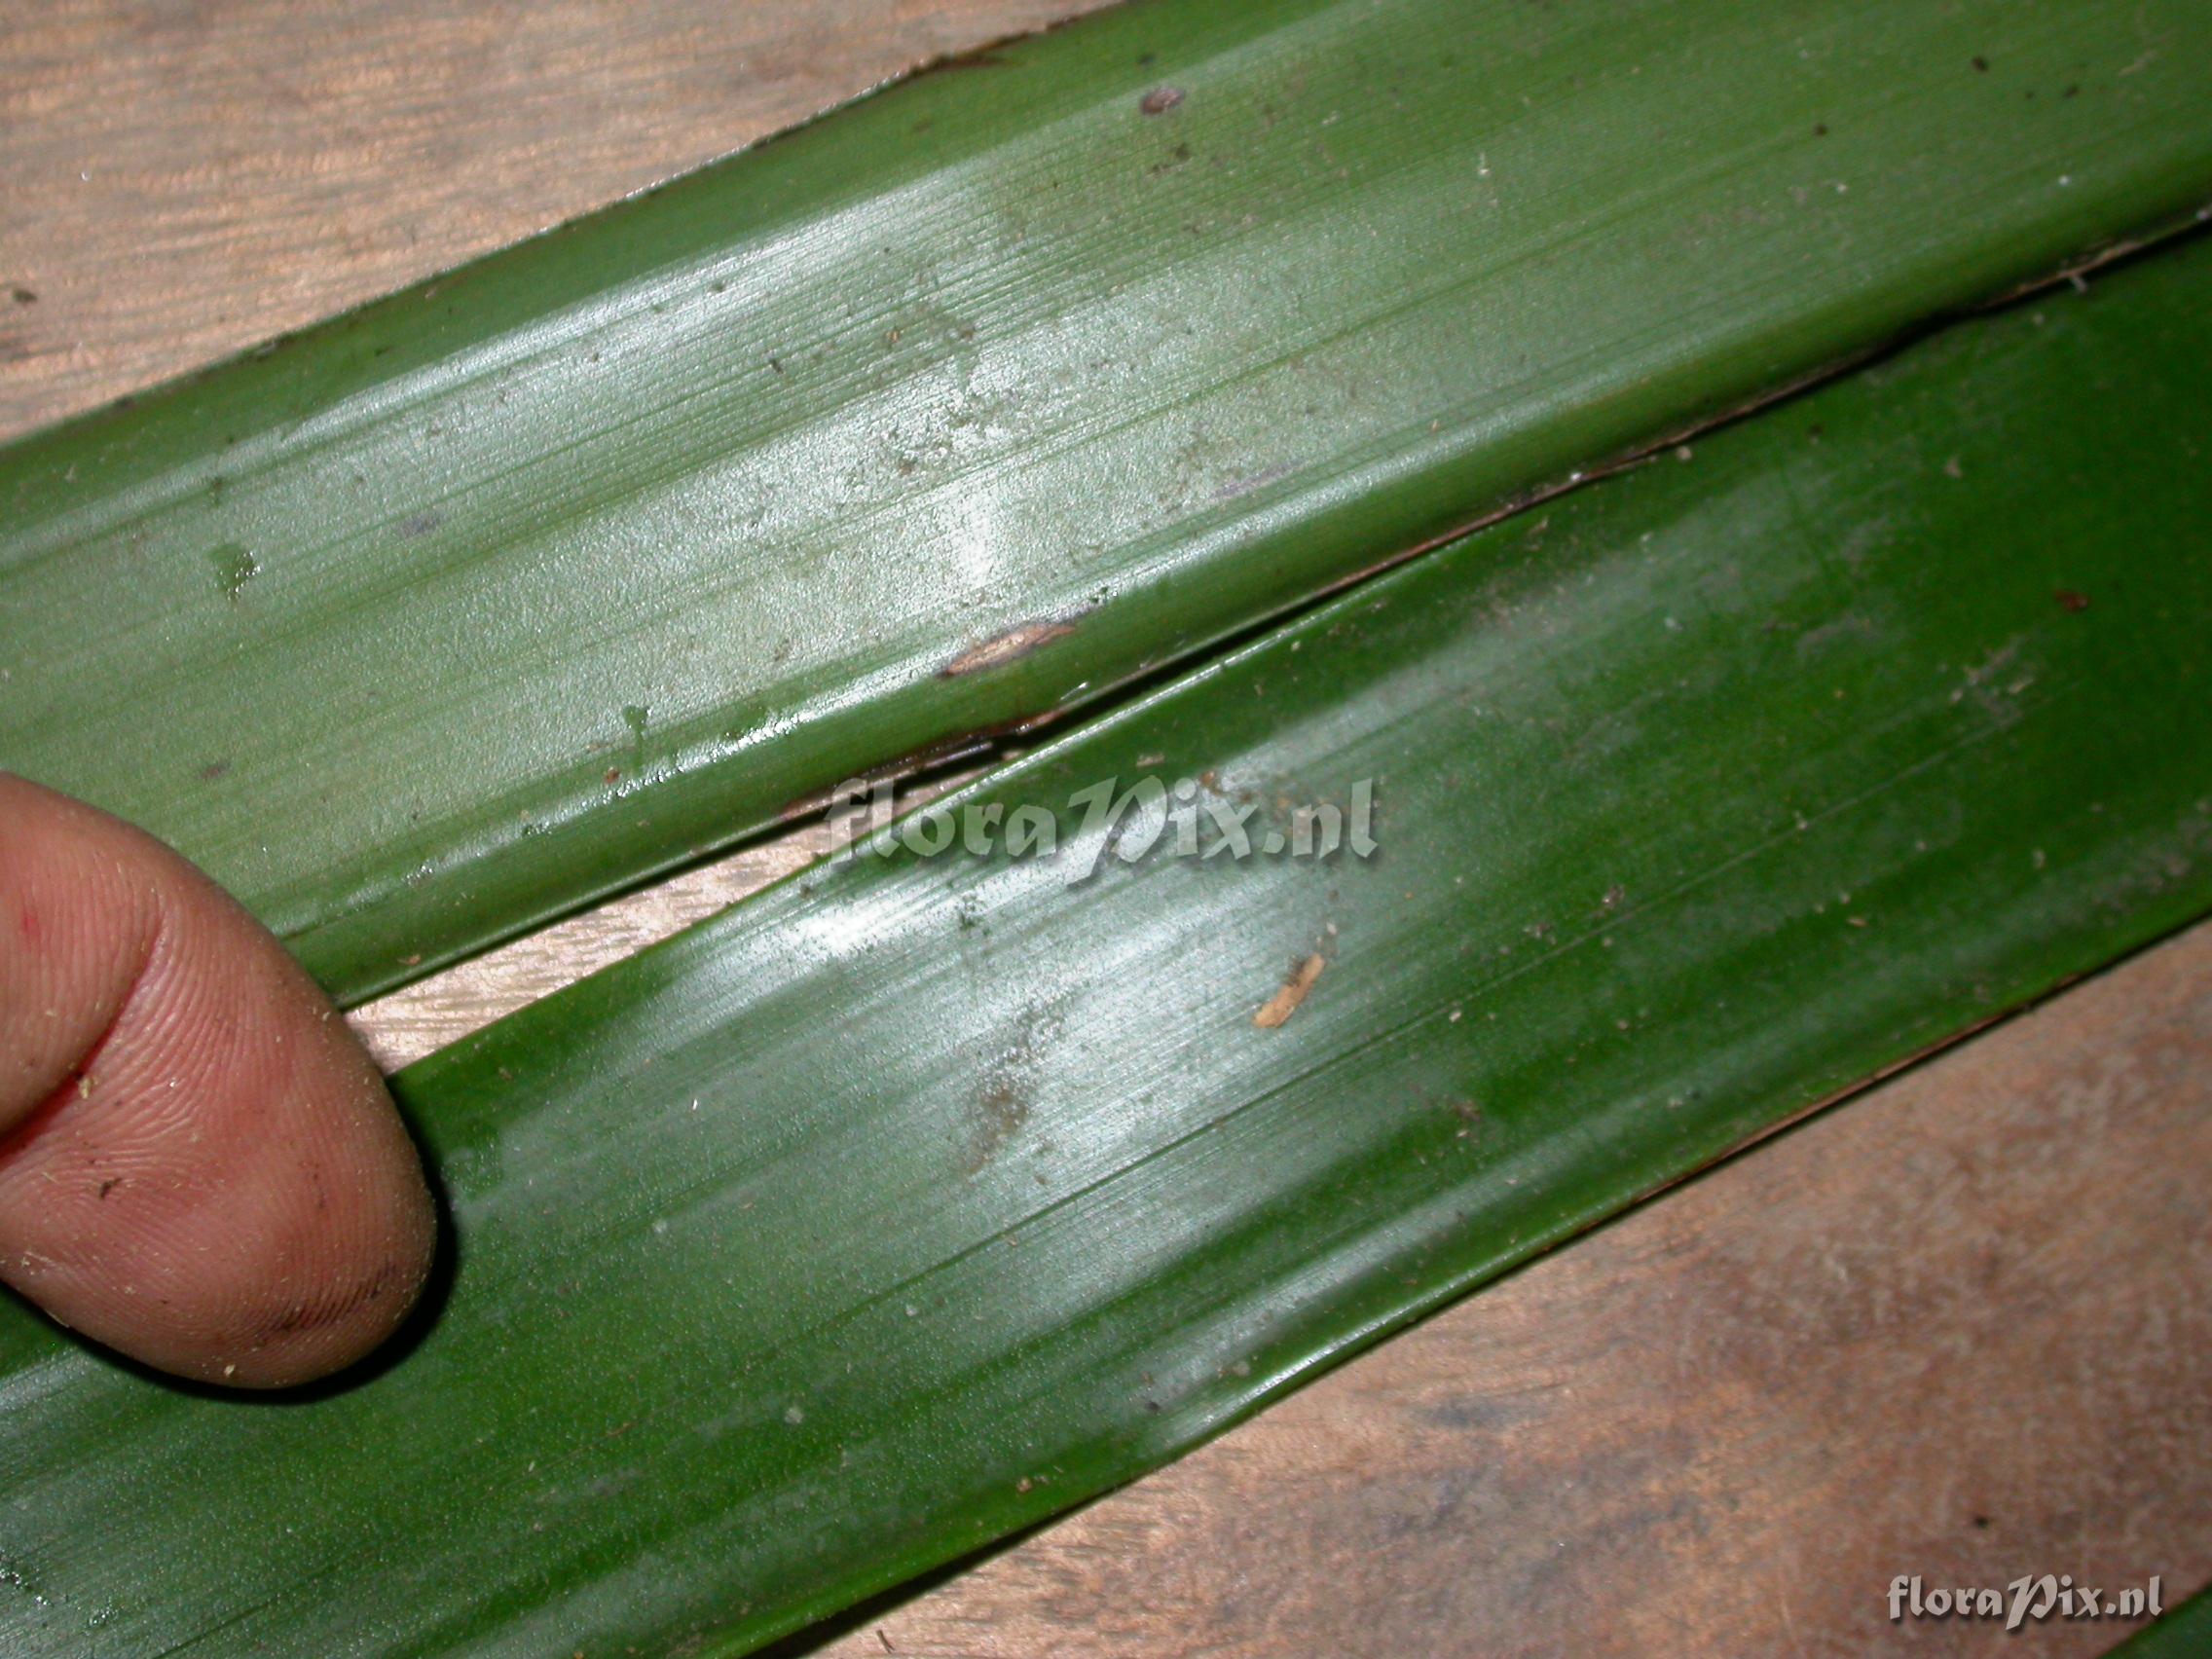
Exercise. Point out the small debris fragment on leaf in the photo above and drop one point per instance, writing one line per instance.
(1284, 1003)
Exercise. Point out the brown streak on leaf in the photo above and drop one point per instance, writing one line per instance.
(1284, 1003)
(1011, 645)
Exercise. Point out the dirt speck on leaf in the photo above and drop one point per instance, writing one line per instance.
(1003, 1103)
(235, 567)
(1001, 1110)
(1285, 1002)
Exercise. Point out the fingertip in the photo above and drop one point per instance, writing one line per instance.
(200, 1167)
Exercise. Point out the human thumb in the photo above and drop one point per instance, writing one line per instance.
(200, 1166)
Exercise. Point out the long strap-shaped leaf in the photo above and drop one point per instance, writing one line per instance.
(921, 1197)
(953, 409)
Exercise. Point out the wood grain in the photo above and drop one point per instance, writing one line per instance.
(1959, 1326)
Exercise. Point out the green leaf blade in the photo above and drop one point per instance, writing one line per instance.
(520, 586)
(919, 1198)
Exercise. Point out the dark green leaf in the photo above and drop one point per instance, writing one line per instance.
(524, 584)
(922, 1197)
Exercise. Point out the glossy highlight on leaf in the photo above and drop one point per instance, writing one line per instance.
(918, 1198)
(950, 411)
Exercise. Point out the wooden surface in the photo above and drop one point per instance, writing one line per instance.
(1960, 1326)
(183, 178)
